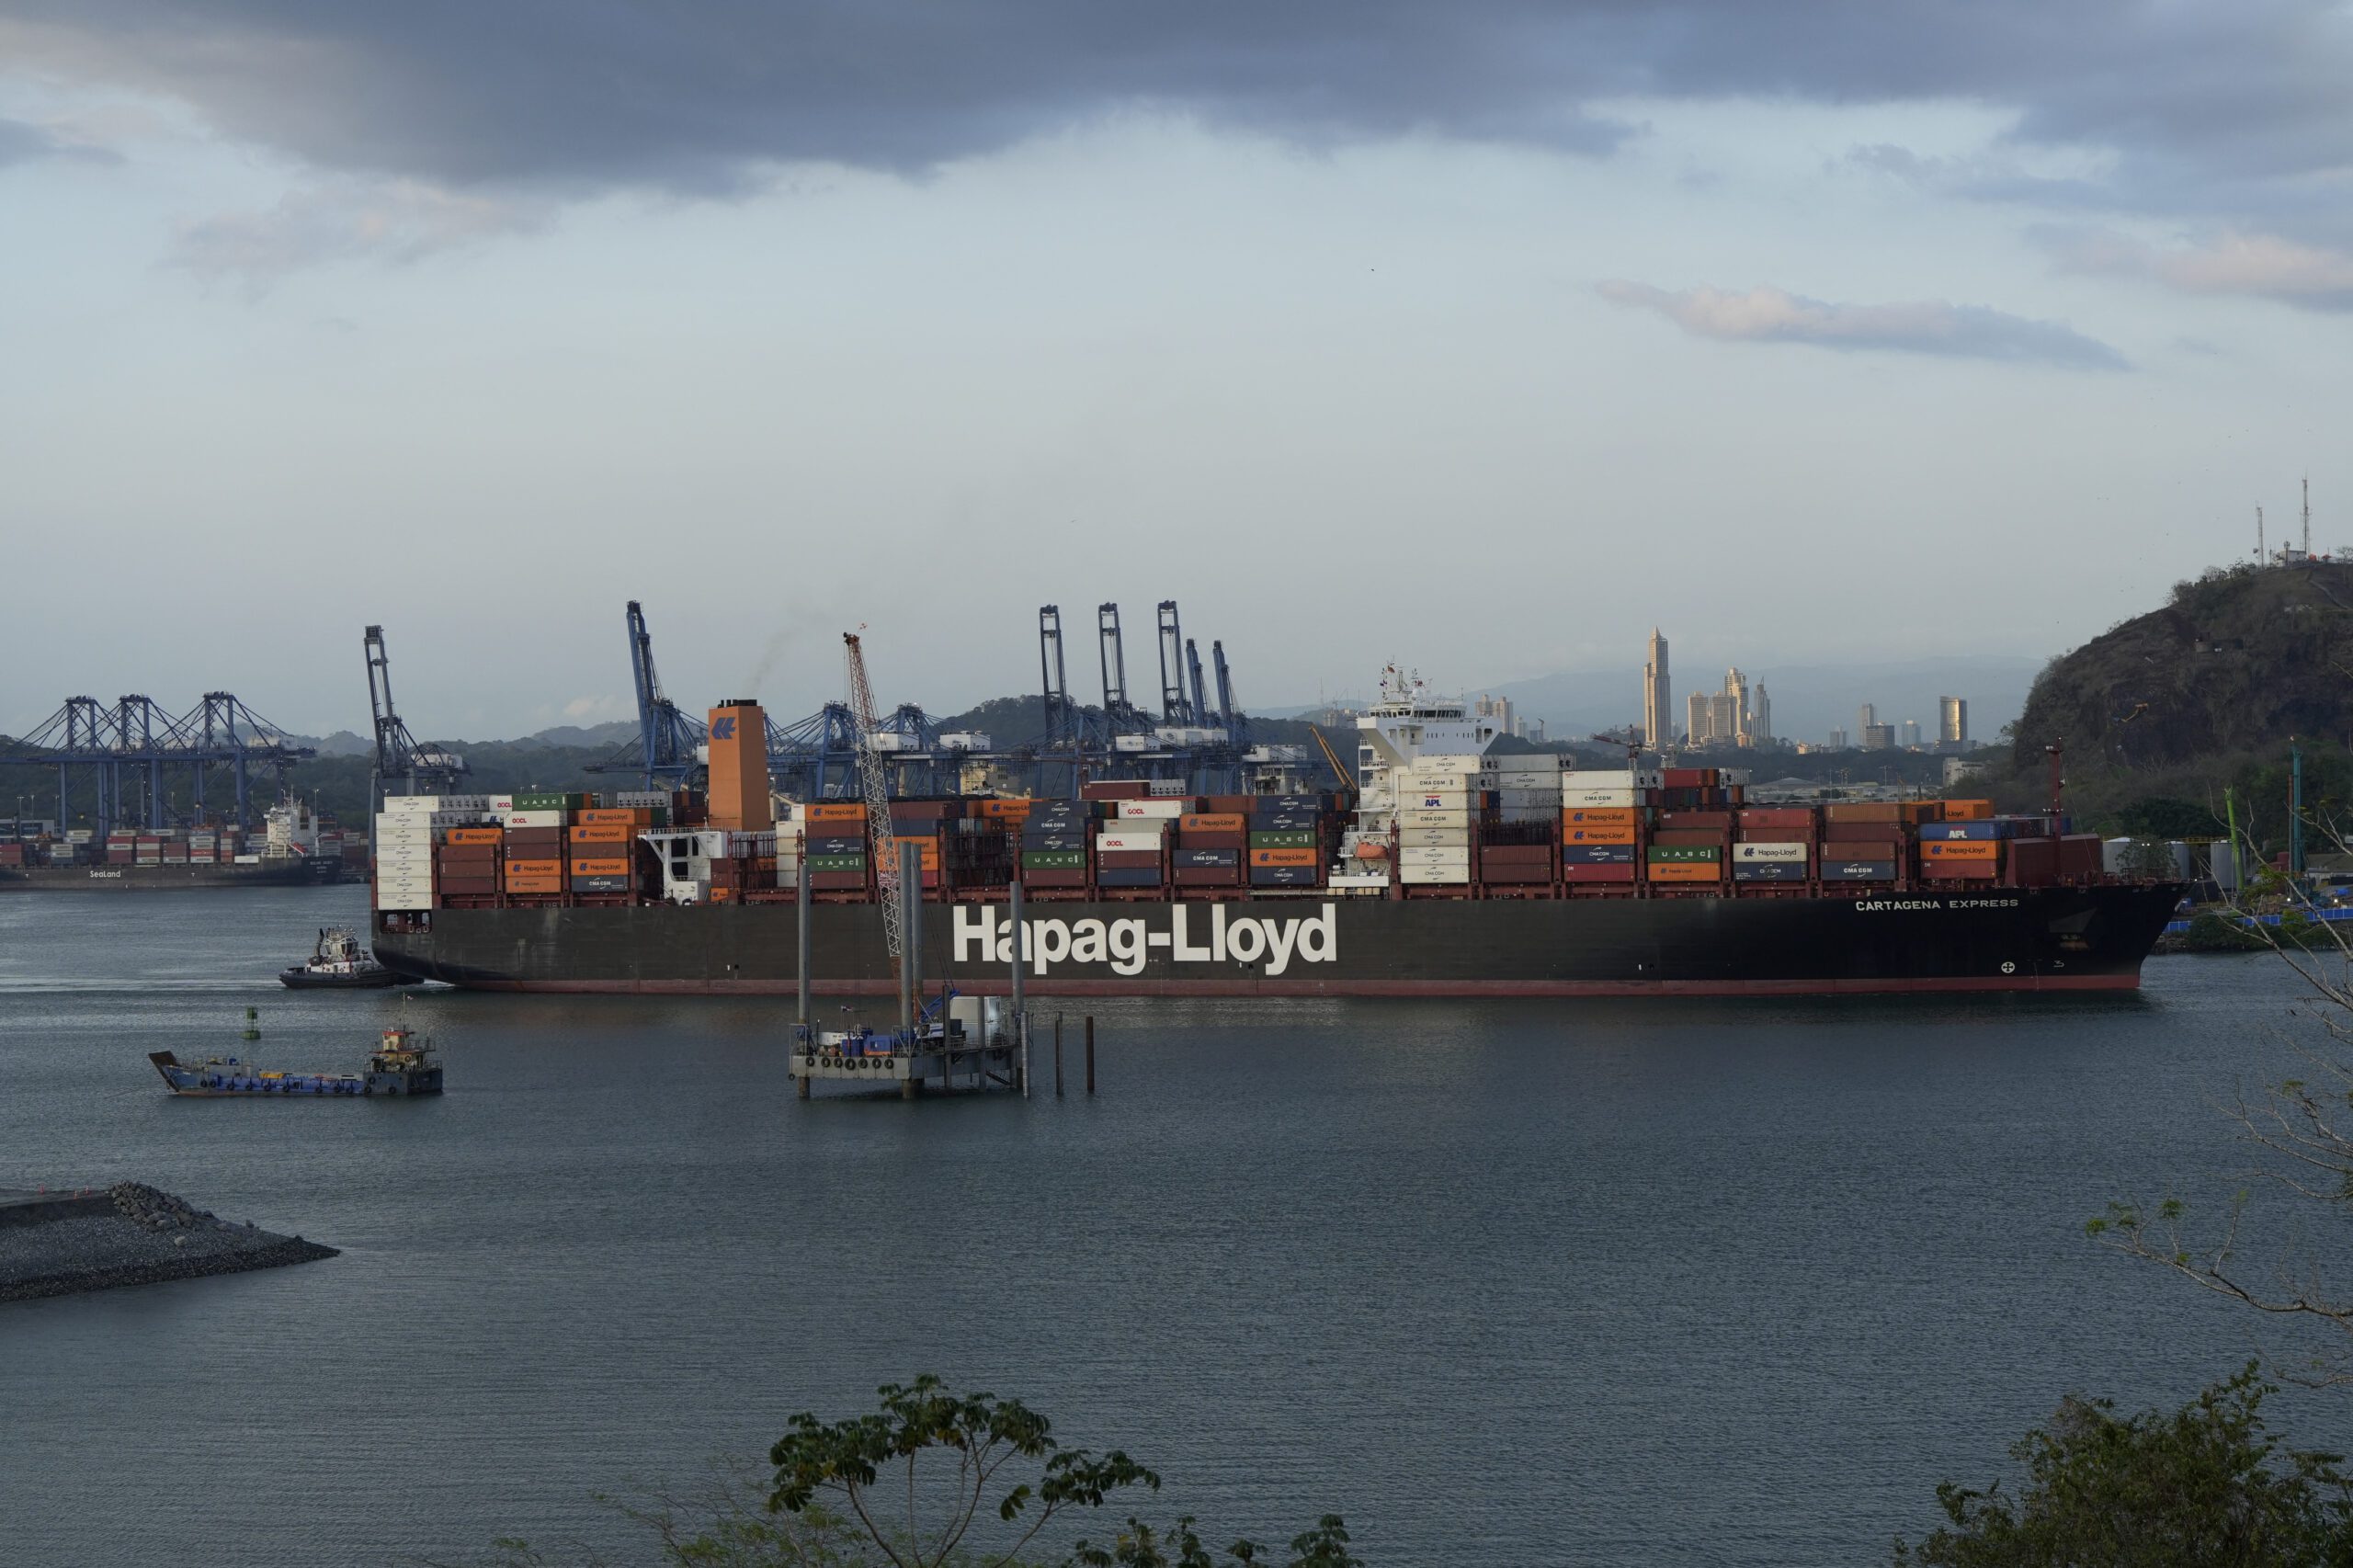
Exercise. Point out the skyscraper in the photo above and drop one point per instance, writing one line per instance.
(1953, 720)
(1867, 716)
(1658, 700)
(1761, 722)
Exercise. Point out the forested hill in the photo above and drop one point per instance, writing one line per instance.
(2239, 661)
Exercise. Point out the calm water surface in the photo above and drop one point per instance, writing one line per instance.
(1687, 1282)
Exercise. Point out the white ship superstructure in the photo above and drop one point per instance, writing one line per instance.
(1410, 731)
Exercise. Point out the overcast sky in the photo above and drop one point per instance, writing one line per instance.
(1477, 336)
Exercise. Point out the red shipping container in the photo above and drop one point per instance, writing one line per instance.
(835, 881)
(1516, 855)
(2079, 854)
(1691, 836)
(1053, 878)
(1689, 778)
(1115, 789)
(1961, 871)
(1776, 816)
(1598, 873)
(1776, 834)
(1695, 819)
(1208, 876)
(2034, 862)
(1128, 859)
(1213, 841)
(469, 887)
(1515, 876)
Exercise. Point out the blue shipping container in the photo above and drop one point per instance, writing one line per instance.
(1768, 871)
(1859, 870)
(1285, 876)
(1209, 857)
(1934, 831)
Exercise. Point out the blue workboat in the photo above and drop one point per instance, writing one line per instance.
(401, 1064)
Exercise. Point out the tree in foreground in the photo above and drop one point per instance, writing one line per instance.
(2204, 1486)
(2300, 1131)
(934, 1480)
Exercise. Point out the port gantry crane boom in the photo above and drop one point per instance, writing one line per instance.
(135, 754)
(1225, 711)
(398, 757)
(1173, 707)
(666, 738)
(876, 787)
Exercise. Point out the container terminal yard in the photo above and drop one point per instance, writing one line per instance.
(1164, 855)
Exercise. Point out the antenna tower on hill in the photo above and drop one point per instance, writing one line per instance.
(2308, 517)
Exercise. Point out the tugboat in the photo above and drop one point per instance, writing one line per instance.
(339, 963)
(401, 1064)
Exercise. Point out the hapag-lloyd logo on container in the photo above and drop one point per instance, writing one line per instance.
(985, 934)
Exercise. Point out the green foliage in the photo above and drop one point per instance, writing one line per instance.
(844, 1468)
(2210, 933)
(2170, 706)
(1139, 1546)
(2163, 817)
(2205, 1485)
(845, 1460)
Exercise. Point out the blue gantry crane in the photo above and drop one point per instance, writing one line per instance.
(402, 765)
(132, 755)
(1189, 740)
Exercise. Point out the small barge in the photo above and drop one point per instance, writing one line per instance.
(402, 1064)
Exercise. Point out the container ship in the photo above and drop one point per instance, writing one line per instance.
(1445, 871)
(296, 848)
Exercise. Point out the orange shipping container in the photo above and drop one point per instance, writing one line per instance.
(475, 834)
(534, 884)
(532, 869)
(600, 867)
(1015, 806)
(835, 811)
(1579, 834)
(1960, 849)
(604, 833)
(1599, 817)
(615, 816)
(1214, 821)
(1282, 857)
(1686, 872)
(1923, 810)
(1968, 811)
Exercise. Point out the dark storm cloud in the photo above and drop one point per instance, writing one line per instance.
(2232, 109)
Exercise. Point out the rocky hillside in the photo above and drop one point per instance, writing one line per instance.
(2239, 661)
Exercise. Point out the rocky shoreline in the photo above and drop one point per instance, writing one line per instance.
(139, 1235)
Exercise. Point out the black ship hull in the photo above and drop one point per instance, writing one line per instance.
(2087, 939)
(304, 872)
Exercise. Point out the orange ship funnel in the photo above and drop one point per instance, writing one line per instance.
(739, 768)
